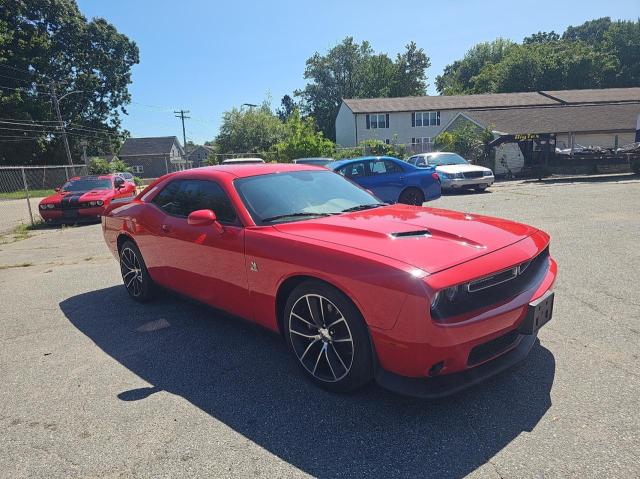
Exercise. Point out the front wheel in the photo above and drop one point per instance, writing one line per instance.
(328, 337)
(411, 196)
(135, 275)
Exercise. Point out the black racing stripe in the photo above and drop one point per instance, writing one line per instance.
(71, 201)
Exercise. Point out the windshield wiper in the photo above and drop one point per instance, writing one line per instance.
(363, 207)
(295, 215)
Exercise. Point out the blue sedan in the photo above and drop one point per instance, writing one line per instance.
(390, 179)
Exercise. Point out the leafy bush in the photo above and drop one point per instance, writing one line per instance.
(301, 140)
(100, 166)
(467, 140)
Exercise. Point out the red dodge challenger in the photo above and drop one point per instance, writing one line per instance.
(84, 198)
(426, 301)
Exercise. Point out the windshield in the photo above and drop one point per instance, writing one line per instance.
(442, 159)
(87, 184)
(299, 195)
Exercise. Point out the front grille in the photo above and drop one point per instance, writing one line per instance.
(473, 174)
(490, 349)
(495, 289)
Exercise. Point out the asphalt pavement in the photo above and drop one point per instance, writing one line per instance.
(95, 385)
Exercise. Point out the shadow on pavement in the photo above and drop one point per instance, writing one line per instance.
(244, 376)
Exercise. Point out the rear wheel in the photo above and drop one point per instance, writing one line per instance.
(411, 196)
(135, 275)
(481, 188)
(328, 337)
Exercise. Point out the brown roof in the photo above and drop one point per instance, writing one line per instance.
(597, 96)
(456, 102)
(491, 100)
(559, 119)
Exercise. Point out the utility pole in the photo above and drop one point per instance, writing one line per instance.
(181, 114)
(64, 132)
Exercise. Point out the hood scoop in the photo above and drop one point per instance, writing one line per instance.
(411, 234)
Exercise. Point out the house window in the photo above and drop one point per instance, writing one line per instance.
(425, 140)
(387, 141)
(377, 121)
(137, 169)
(426, 118)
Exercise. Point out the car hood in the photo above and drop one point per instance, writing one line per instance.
(92, 195)
(427, 238)
(451, 169)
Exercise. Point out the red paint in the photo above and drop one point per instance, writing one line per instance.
(391, 281)
(106, 196)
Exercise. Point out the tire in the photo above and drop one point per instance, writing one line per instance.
(480, 189)
(135, 275)
(411, 196)
(331, 345)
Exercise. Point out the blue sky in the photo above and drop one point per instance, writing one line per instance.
(208, 56)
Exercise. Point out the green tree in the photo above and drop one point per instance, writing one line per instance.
(44, 41)
(249, 130)
(287, 106)
(100, 166)
(301, 140)
(467, 140)
(460, 77)
(352, 70)
(597, 54)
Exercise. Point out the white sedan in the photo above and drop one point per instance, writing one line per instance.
(454, 171)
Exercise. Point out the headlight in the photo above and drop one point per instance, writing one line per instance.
(100, 202)
(449, 294)
(51, 206)
(92, 203)
(43, 206)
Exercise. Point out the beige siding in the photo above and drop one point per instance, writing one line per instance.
(400, 129)
(345, 127)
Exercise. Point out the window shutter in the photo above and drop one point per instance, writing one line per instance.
(438, 120)
(413, 141)
(386, 119)
(413, 119)
(368, 122)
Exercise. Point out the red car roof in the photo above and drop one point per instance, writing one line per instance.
(250, 169)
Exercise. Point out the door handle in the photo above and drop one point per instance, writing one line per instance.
(165, 228)
(402, 178)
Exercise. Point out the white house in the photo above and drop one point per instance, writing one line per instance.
(416, 121)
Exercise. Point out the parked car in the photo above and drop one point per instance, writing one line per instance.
(454, 171)
(313, 161)
(127, 176)
(238, 161)
(390, 179)
(426, 301)
(84, 198)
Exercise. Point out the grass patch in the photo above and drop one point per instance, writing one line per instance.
(20, 194)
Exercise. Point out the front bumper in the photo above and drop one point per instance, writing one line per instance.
(457, 183)
(486, 359)
(71, 216)
(441, 386)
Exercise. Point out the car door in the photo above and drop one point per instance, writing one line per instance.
(203, 262)
(356, 172)
(386, 179)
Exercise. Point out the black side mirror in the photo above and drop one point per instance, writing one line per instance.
(118, 182)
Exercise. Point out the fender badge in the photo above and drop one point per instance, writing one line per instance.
(253, 267)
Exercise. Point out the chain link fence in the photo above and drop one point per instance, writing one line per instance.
(22, 188)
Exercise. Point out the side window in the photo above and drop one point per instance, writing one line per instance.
(412, 160)
(354, 170)
(420, 161)
(378, 167)
(182, 197)
(392, 167)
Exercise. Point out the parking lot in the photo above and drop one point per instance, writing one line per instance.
(94, 384)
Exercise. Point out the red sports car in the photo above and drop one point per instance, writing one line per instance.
(426, 301)
(84, 198)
